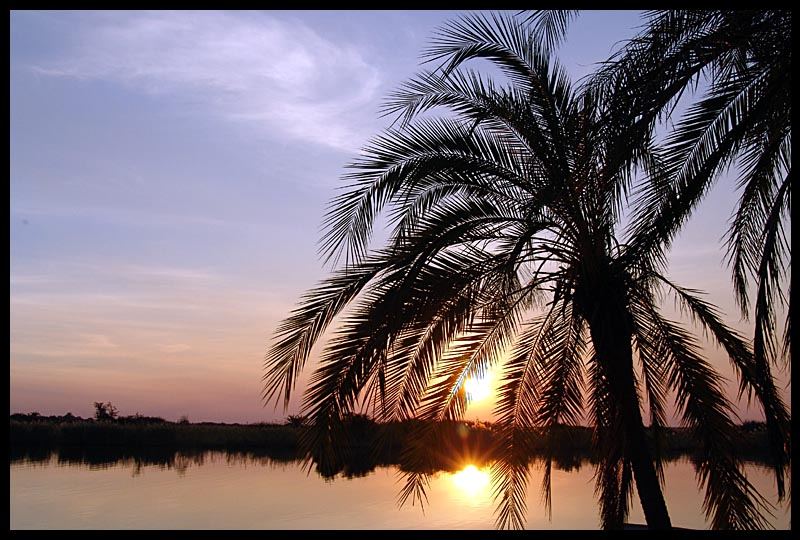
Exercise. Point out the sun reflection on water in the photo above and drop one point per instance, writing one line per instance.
(471, 480)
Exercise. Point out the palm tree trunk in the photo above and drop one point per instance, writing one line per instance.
(636, 446)
(610, 328)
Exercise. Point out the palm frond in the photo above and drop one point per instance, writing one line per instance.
(748, 227)
(399, 160)
(731, 501)
(541, 390)
(516, 417)
(296, 335)
(770, 274)
(703, 144)
(551, 25)
(516, 52)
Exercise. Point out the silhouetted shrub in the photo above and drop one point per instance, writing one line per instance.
(105, 411)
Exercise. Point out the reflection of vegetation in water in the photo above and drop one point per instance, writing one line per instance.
(182, 460)
(178, 460)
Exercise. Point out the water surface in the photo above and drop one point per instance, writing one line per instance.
(216, 490)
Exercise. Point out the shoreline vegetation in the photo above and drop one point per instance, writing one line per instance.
(152, 440)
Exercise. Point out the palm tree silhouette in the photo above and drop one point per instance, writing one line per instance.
(745, 115)
(506, 239)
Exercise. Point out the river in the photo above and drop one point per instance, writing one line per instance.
(217, 490)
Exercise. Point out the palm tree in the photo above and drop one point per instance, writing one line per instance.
(505, 216)
(745, 115)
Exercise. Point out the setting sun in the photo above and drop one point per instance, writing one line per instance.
(477, 389)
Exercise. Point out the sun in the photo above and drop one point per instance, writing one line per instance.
(477, 388)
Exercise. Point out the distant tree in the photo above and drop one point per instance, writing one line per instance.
(105, 411)
(183, 419)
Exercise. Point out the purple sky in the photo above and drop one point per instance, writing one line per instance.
(169, 173)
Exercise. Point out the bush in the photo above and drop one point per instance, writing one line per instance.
(105, 411)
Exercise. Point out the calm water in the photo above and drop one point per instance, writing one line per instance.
(216, 490)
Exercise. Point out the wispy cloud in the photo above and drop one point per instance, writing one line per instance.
(253, 67)
(127, 216)
(168, 273)
(70, 345)
(87, 273)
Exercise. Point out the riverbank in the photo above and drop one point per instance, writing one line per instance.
(369, 444)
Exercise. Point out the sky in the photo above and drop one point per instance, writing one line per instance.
(169, 173)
